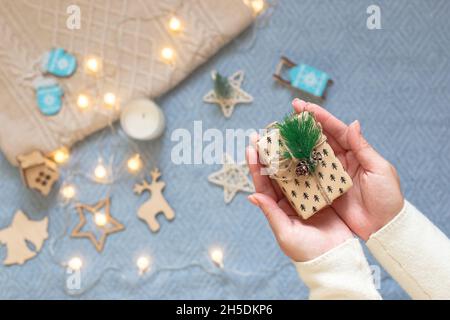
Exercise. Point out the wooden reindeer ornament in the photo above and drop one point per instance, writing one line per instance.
(20, 231)
(156, 204)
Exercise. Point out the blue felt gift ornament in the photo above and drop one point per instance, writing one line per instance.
(60, 63)
(49, 99)
(309, 79)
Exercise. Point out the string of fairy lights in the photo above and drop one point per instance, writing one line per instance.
(103, 172)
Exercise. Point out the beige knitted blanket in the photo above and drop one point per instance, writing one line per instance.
(127, 35)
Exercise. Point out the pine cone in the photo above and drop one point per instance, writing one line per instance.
(302, 168)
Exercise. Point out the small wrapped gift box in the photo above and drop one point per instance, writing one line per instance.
(296, 154)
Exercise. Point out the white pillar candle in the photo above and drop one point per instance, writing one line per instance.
(142, 119)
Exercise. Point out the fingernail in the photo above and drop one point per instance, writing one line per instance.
(252, 155)
(357, 126)
(254, 138)
(296, 101)
(253, 200)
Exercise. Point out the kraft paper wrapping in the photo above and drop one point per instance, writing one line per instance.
(306, 194)
(127, 35)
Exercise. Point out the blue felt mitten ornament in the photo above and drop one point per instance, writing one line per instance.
(48, 95)
(59, 63)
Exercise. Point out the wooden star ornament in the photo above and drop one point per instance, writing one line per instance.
(237, 95)
(103, 220)
(233, 177)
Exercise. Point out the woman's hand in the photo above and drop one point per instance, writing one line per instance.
(376, 196)
(301, 240)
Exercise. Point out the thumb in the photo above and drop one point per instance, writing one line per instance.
(366, 155)
(276, 217)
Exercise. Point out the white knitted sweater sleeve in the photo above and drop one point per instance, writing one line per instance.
(341, 273)
(416, 254)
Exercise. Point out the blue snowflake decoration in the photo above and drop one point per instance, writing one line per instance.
(309, 79)
(60, 63)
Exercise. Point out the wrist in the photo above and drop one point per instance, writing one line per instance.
(381, 220)
(320, 248)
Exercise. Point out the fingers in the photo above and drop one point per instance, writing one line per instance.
(262, 183)
(336, 146)
(368, 158)
(276, 217)
(332, 125)
(253, 140)
(342, 137)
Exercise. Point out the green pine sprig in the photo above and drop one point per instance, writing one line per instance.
(300, 135)
(222, 86)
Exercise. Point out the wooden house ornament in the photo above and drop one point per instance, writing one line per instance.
(38, 172)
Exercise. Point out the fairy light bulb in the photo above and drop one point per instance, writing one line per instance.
(100, 171)
(100, 219)
(216, 255)
(68, 191)
(143, 264)
(93, 65)
(256, 5)
(83, 101)
(61, 155)
(109, 99)
(75, 264)
(174, 24)
(134, 163)
(167, 54)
